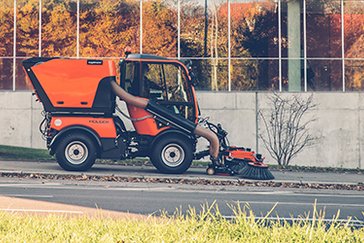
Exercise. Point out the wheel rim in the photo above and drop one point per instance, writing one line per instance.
(173, 155)
(76, 152)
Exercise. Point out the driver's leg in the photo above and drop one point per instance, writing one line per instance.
(213, 140)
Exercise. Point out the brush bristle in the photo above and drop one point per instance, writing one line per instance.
(255, 173)
(238, 167)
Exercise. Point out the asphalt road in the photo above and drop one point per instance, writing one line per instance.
(152, 198)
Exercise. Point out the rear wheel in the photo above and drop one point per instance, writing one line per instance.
(172, 155)
(76, 152)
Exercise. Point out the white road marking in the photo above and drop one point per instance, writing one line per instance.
(27, 195)
(284, 193)
(39, 186)
(157, 189)
(39, 210)
(351, 221)
(161, 189)
(302, 203)
(27, 185)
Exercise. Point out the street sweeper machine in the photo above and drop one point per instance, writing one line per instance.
(82, 121)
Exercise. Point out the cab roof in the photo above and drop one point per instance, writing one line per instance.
(145, 56)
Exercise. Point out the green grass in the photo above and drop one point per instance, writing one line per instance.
(20, 153)
(208, 226)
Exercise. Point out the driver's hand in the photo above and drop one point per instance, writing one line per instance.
(153, 85)
(203, 120)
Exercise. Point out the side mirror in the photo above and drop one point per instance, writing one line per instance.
(193, 78)
(189, 66)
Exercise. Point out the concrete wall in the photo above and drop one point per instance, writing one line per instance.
(339, 125)
(339, 122)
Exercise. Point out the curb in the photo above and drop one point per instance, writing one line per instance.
(188, 181)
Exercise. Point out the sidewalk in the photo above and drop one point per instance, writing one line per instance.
(52, 168)
(27, 206)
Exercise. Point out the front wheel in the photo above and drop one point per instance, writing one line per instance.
(172, 155)
(76, 152)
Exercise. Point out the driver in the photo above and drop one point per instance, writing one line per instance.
(148, 83)
(199, 130)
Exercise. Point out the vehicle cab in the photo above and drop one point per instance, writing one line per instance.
(166, 81)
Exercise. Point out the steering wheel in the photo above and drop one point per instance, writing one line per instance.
(203, 120)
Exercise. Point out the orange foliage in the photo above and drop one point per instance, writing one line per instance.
(246, 10)
(159, 28)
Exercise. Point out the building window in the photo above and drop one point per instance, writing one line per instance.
(254, 34)
(354, 42)
(160, 27)
(6, 73)
(59, 30)
(204, 28)
(107, 27)
(6, 44)
(324, 42)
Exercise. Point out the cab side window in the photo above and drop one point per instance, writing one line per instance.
(131, 84)
(164, 82)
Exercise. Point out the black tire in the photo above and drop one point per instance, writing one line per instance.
(172, 155)
(76, 152)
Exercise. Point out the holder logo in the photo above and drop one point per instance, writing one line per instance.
(98, 121)
(94, 62)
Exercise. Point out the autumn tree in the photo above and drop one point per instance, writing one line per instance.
(6, 40)
(27, 37)
(6, 28)
(59, 28)
(27, 29)
(160, 28)
(107, 27)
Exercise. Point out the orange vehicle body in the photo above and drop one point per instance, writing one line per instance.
(242, 154)
(143, 121)
(75, 88)
(103, 127)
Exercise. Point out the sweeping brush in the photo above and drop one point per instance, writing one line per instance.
(255, 171)
(235, 164)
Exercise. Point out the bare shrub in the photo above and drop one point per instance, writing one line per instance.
(286, 127)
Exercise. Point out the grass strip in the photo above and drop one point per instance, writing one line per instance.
(207, 226)
(21, 153)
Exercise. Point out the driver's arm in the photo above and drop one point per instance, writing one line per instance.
(128, 98)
